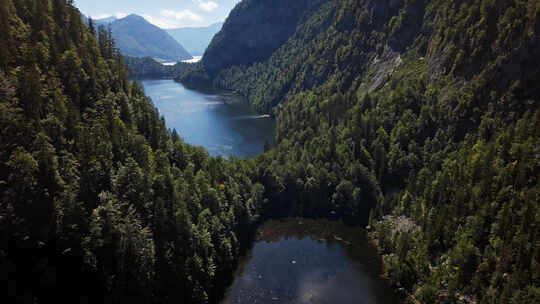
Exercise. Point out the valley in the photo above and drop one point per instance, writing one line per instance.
(325, 151)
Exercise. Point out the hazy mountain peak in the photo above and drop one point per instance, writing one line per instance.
(137, 37)
(134, 17)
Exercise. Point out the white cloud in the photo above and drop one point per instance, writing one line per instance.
(103, 16)
(206, 5)
(169, 19)
(182, 15)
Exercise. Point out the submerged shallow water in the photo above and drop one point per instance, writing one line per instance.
(306, 261)
(218, 122)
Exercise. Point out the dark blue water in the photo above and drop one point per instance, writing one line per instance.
(220, 123)
(297, 261)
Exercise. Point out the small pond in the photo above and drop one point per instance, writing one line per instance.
(310, 261)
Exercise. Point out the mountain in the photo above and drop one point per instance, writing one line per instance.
(417, 118)
(195, 39)
(136, 37)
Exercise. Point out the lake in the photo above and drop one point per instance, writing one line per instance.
(292, 261)
(221, 122)
(300, 261)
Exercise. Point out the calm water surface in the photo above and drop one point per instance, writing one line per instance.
(206, 120)
(305, 261)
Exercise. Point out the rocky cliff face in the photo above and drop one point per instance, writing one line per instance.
(254, 30)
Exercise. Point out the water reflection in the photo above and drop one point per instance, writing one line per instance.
(215, 121)
(306, 261)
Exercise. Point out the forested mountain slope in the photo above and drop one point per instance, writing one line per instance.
(253, 31)
(427, 111)
(148, 68)
(99, 202)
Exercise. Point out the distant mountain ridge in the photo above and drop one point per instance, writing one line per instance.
(195, 39)
(136, 37)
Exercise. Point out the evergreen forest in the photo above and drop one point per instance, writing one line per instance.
(417, 119)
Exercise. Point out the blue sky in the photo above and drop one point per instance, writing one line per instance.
(163, 13)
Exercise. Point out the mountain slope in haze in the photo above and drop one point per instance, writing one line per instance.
(136, 37)
(195, 39)
(418, 117)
